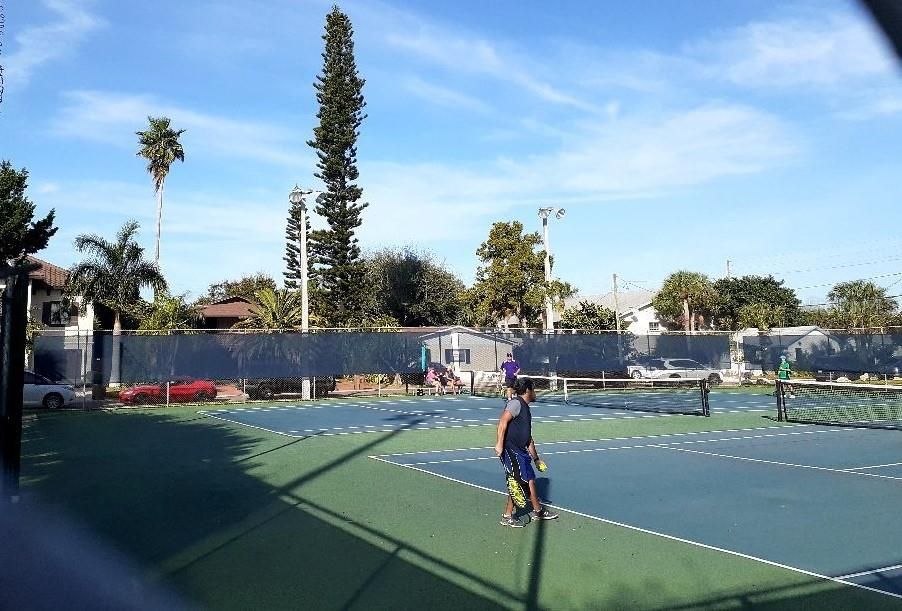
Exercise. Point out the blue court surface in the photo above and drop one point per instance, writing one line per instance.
(348, 416)
(824, 501)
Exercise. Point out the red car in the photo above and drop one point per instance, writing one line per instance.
(181, 390)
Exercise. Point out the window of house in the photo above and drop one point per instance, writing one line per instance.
(55, 314)
(654, 326)
(457, 356)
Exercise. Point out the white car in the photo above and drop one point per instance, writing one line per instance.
(39, 391)
(655, 368)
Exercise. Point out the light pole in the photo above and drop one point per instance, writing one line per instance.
(296, 197)
(544, 213)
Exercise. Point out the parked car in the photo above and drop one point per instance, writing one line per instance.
(39, 391)
(181, 390)
(267, 388)
(656, 368)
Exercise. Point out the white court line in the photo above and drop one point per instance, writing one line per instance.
(209, 415)
(889, 464)
(665, 445)
(782, 464)
(634, 437)
(658, 534)
(880, 570)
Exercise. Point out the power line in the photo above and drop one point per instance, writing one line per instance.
(815, 286)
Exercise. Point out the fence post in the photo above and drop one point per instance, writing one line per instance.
(12, 379)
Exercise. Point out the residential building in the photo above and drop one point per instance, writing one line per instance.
(226, 313)
(637, 314)
(46, 302)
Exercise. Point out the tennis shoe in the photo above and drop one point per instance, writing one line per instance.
(544, 514)
(511, 522)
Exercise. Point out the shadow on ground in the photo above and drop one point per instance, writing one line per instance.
(227, 519)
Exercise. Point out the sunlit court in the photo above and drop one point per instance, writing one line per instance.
(427, 306)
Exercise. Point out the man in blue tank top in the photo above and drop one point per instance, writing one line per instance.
(516, 449)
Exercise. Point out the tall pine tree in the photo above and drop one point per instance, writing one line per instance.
(337, 267)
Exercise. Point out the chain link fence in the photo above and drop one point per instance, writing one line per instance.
(204, 365)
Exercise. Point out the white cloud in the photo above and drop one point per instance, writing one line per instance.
(640, 156)
(872, 103)
(444, 96)
(207, 235)
(463, 53)
(815, 50)
(114, 117)
(39, 45)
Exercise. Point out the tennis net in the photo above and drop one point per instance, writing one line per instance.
(864, 405)
(669, 396)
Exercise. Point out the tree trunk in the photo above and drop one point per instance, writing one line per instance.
(687, 321)
(156, 252)
(117, 351)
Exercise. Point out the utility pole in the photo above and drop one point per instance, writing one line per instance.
(617, 320)
(728, 269)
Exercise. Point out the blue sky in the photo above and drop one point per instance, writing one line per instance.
(676, 134)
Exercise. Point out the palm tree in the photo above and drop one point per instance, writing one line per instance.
(113, 275)
(685, 296)
(160, 146)
(275, 310)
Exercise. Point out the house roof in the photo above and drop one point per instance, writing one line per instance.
(461, 329)
(231, 307)
(627, 301)
(50, 274)
(785, 331)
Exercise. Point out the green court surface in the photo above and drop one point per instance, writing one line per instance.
(232, 517)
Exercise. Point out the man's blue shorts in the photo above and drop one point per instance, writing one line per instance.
(510, 381)
(518, 463)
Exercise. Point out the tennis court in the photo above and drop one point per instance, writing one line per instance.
(262, 517)
(350, 416)
(819, 500)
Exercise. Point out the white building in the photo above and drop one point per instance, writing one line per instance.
(46, 304)
(59, 317)
(637, 315)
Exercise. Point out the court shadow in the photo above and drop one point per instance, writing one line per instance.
(183, 501)
(543, 489)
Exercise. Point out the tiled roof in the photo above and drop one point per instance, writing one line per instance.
(233, 307)
(628, 301)
(51, 275)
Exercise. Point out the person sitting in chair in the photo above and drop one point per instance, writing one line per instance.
(432, 379)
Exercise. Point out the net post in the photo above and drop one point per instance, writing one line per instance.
(566, 392)
(705, 390)
(781, 407)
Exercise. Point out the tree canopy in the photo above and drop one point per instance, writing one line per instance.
(113, 273)
(20, 234)
(510, 280)
(246, 286)
(860, 304)
(411, 288)
(278, 309)
(165, 313)
(588, 316)
(754, 301)
(686, 299)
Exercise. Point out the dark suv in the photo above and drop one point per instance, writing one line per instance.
(267, 388)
